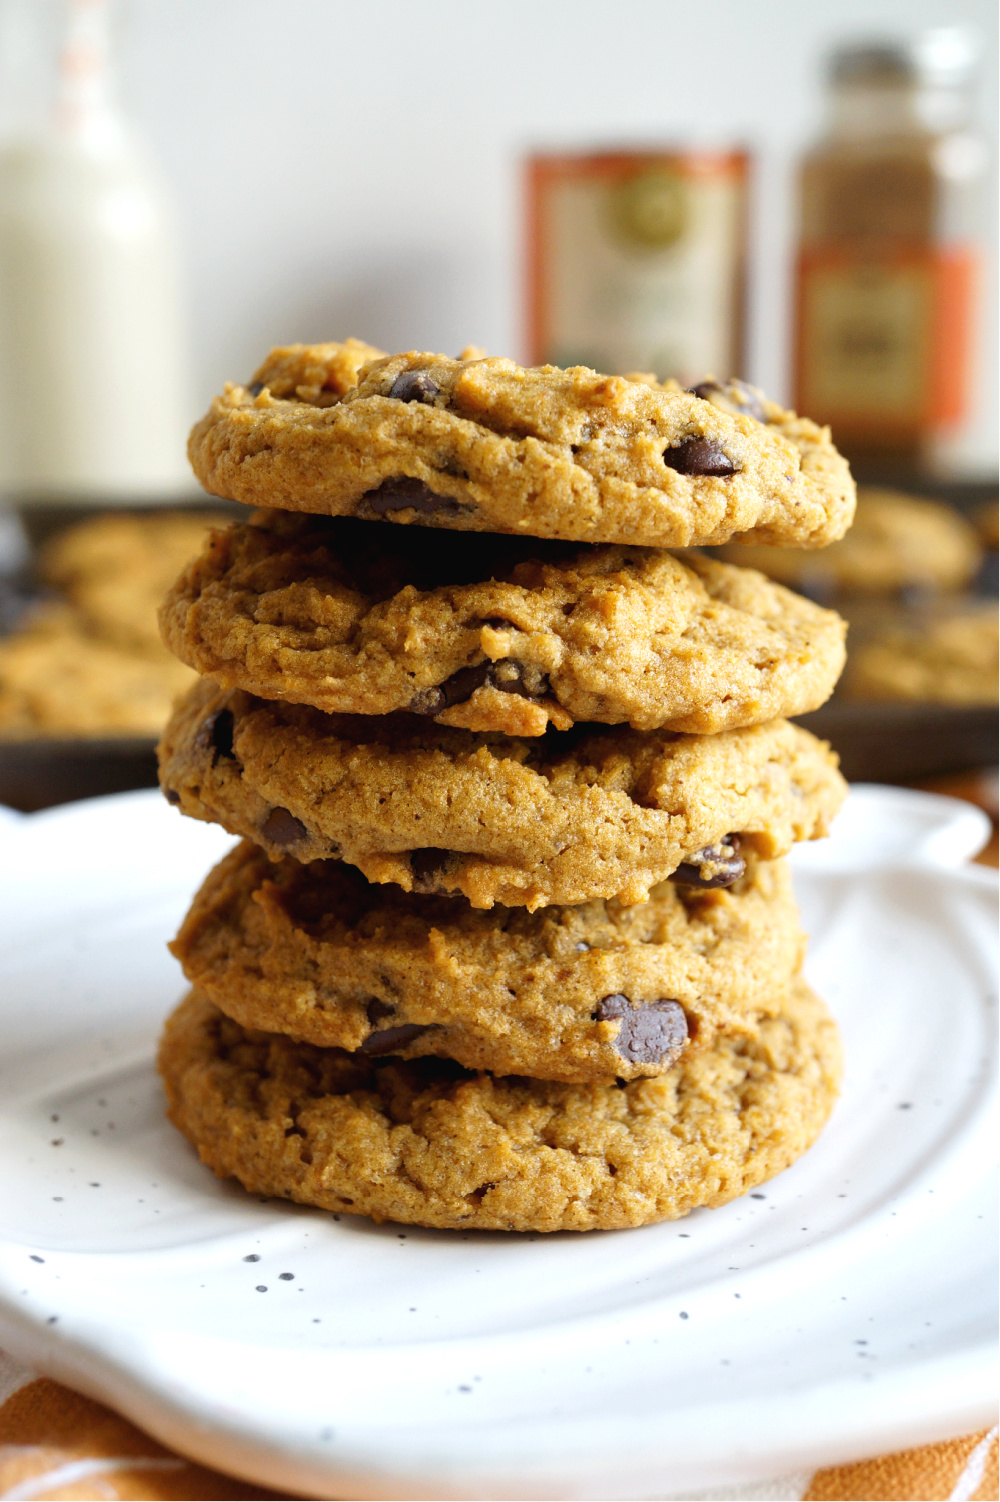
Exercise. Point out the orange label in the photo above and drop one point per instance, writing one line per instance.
(636, 261)
(884, 342)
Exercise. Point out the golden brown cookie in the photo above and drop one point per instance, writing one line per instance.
(496, 633)
(116, 567)
(896, 542)
(484, 445)
(566, 993)
(429, 1143)
(939, 657)
(56, 680)
(561, 818)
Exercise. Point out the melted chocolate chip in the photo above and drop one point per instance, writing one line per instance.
(732, 396)
(427, 865)
(223, 726)
(377, 1010)
(171, 795)
(651, 1034)
(414, 386)
(508, 675)
(724, 860)
(255, 388)
(282, 828)
(391, 1038)
(699, 456)
(401, 493)
(215, 736)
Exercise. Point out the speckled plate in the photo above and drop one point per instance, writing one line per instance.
(843, 1310)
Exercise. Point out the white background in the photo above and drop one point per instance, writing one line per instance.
(341, 167)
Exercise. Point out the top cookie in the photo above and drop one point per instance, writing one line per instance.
(484, 445)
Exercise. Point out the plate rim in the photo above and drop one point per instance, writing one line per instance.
(227, 1447)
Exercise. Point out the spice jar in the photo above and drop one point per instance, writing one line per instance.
(888, 268)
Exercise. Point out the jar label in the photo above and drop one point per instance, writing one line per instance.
(884, 339)
(636, 262)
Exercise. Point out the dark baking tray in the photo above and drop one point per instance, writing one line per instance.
(883, 742)
(38, 773)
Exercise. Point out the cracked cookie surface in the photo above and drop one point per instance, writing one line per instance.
(496, 633)
(428, 1143)
(566, 993)
(560, 818)
(487, 445)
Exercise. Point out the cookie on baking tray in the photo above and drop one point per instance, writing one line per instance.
(429, 1143)
(486, 445)
(496, 633)
(560, 818)
(116, 567)
(566, 993)
(896, 542)
(945, 656)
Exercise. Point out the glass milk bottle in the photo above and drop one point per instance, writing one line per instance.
(889, 274)
(92, 367)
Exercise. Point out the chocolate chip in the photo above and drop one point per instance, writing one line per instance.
(427, 865)
(391, 1038)
(651, 1034)
(699, 456)
(215, 736)
(402, 493)
(731, 396)
(282, 828)
(171, 795)
(378, 1009)
(222, 727)
(414, 386)
(508, 675)
(724, 865)
(429, 701)
(255, 388)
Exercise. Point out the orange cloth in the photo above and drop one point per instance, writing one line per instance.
(75, 1448)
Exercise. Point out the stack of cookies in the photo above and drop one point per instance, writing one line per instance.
(510, 941)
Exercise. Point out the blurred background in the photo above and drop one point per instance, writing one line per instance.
(803, 196)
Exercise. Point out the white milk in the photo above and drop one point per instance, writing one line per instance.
(91, 360)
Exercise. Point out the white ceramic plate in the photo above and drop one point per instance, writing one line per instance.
(843, 1310)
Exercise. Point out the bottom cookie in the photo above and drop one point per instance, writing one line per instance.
(429, 1143)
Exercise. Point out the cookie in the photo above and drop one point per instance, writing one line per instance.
(896, 542)
(115, 569)
(57, 680)
(497, 633)
(484, 445)
(429, 1143)
(947, 658)
(561, 818)
(566, 993)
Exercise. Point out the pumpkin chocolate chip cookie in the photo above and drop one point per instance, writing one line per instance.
(560, 818)
(485, 445)
(566, 993)
(497, 633)
(897, 542)
(427, 1142)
